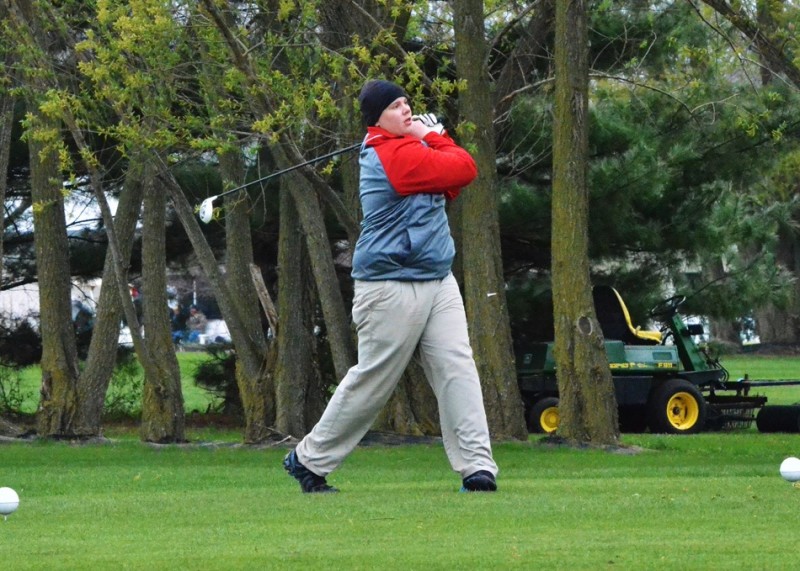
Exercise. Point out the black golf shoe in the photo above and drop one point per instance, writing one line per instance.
(480, 481)
(310, 483)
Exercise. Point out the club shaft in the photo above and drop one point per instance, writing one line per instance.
(289, 169)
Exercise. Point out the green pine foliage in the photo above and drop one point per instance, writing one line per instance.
(688, 169)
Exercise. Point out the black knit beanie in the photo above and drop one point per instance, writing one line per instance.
(377, 95)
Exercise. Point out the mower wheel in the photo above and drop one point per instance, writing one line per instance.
(677, 407)
(779, 418)
(543, 416)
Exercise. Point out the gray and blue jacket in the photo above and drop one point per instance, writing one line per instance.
(404, 185)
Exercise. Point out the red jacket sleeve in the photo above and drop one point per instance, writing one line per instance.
(441, 167)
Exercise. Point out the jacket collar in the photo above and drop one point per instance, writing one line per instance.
(376, 135)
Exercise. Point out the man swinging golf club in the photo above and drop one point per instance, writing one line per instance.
(405, 296)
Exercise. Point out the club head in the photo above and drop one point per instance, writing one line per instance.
(206, 212)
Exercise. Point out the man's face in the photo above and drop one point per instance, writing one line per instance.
(396, 118)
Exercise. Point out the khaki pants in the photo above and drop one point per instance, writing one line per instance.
(393, 318)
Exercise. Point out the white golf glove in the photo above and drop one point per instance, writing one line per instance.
(430, 120)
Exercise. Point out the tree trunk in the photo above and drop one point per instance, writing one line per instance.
(255, 360)
(59, 392)
(58, 321)
(59, 364)
(722, 330)
(251, 354)
(163, 417)
(298, 407)
(256, 387)
(532, 45)
(340, 22)
(337, 323)
(6, 122)
(412, 408)
(772, 47)
(725, 331)
(102, 355)
(766, 21)
(310, 215)
(484, 287)
(781, 325)
(587, 402)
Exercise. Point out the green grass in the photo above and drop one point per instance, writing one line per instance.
(767, 368)
(195, 398)
(711, 501)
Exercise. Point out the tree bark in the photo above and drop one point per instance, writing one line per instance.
(771, 49)
(781, 325)
(102, 355)
(337, 323)
(587, 403)
(765, 17)
(59, 364)
(163, 417)
(340, 22)
(298, 407)
(251, 352)
(6, 122)
(309, 210)
(533, 44)
(722, 330)
(28, 27)
(484, 287)
(412, 408)
(256, 386)
(58, 402)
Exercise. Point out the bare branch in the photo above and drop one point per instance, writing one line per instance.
(777, 59)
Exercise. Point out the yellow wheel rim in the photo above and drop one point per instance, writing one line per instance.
(549, 419)
(683, 410)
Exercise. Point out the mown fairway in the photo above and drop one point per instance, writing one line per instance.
(767, 368)
(712, 501)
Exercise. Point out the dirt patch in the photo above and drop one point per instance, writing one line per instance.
(552, 441)
(374, 438)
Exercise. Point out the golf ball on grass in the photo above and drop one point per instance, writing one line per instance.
(9, 501)
(790, 469)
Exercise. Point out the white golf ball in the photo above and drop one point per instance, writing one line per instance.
(9, 501)
(790, 469)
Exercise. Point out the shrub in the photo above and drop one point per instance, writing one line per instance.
(124, 396)
(12, 395)
(218, 376)
(20, 343)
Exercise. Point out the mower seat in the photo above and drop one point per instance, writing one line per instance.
(615, 321)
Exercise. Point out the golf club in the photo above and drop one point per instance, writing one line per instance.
(206, 211)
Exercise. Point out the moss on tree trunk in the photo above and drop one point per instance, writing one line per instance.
(59, 391)
(254, 364)
(484, 287)
(162, 400)
(587, 403)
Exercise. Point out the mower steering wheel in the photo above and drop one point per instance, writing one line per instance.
(668, 307)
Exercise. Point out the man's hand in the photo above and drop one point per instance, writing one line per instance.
(430, 121)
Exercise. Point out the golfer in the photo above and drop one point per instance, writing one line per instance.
(405, 296)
